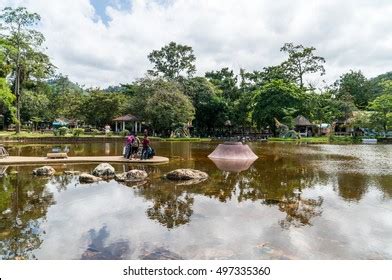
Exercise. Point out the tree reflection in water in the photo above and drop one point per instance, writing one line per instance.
(27, 202)
(172, 205)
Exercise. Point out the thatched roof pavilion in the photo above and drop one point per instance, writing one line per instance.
(136, 123)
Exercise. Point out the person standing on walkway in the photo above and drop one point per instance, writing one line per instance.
(128, 145)
(146, 145)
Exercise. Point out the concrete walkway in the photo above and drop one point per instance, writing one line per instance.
(14, 160)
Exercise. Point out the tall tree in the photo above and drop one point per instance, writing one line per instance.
(211, 111)
(20, 49)
(382, 106)
(353, 86)
(6, 100)
(276, 99)
(226, 81)
(100, 108)
(173, 61)
(302, 61)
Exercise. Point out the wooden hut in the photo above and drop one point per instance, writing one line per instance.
(303, 126)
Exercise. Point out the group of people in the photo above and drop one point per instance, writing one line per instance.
(132, 147)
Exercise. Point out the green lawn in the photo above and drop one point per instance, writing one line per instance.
(323, 139)
(23, 134)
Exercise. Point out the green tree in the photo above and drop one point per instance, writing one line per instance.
(276, 99)
(302, 61)
(354, 86)
(173, 61)
(100, 108)
(20, 50)
(382, 107)
(67, 98)
(35, 107)
(211, 111)
(167, 108)
(6, 100)
(226, 81)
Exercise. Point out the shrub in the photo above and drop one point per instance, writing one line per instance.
(125, 132)
(56, 132)
(77, 132)
(63, 131)
(94, 131)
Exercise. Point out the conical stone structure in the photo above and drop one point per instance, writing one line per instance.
(233, 151)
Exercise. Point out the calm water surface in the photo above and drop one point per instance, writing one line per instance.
(294, 202)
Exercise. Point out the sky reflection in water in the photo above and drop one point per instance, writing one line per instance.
(294, 202)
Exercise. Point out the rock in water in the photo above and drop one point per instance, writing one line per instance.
(134, 175)
(186, 174)
(44, 171)
(104, 170)
(86, 178)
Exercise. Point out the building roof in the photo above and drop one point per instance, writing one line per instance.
(302, 121)
(126, 118)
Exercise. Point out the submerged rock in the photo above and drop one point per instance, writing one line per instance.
(86, 178)
(134, 175)
(186, 174)
(44, 171)
(104, 170)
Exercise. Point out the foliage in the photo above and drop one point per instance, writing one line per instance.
(95, 131)
(6, 100)
(63, 131)
(210, 109)
(276, 99)
(226, 81)
(124, 132)
(322, 108)
(168, 108)
(35, 105)
(100, 108)
(77, 132)
(20, 50)
(354, 86)
(382, 106)
(302, 61)
(66, 97)
(173, 61)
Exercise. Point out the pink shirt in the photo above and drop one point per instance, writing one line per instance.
(130, 139)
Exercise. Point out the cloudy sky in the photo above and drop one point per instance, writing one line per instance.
(105, 42)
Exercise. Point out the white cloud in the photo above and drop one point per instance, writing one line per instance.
(349, 34)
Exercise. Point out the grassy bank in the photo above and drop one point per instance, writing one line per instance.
(6, 135)
(314, 140)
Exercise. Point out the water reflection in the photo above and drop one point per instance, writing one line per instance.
(233, 165)
(284, 205)
(97, 250)
(23, 206)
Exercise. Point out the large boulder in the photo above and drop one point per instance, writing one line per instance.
(104, 170)
(186, 174)
(86, 178)
(44, 171)
(134, 175)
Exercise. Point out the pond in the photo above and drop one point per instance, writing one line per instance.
(296, 201)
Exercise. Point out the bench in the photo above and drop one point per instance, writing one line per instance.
(56, 155)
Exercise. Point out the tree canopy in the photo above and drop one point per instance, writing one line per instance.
(173, 61)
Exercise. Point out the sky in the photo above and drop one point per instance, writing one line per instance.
(106, 42)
